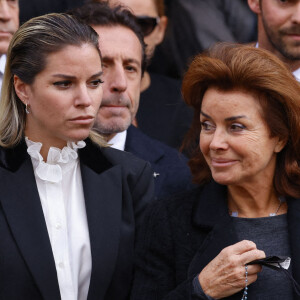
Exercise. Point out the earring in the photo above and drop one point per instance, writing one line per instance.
(27, 109)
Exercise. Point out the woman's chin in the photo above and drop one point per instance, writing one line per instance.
(78, 137)
(223, 179)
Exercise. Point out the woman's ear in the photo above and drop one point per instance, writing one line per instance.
(22, 89)
(280, 145)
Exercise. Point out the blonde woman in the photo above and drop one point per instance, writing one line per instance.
(69, 205)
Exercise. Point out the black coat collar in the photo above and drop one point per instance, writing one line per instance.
(211, 206)
(91, 155)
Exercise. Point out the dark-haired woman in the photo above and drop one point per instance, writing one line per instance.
(246, 147)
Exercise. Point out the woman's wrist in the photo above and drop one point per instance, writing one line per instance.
(198, 290)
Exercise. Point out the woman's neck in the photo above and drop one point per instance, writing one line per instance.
(255, 202)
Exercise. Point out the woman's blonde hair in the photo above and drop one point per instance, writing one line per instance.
(27, 57)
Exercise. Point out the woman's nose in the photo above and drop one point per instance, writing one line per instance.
(219, 140)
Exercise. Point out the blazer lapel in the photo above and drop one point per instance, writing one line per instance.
(22, 207)
(211, 215)
(102, 184)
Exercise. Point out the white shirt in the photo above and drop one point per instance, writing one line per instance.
(60, 189)
(2, 68)
(118, 141)
(296, 73)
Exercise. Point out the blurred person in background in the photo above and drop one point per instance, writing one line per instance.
(195, 25)
(9, 23)
(279, 30)
(124, 61)
(162, 113)
(35, 8)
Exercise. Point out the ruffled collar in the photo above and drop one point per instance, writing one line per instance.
(58, 162)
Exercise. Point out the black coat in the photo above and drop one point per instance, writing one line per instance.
(117, 186)
(182, 234)
(174, 173)
(162, 113)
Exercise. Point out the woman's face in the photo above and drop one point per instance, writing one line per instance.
(234, 138)
(65, 97)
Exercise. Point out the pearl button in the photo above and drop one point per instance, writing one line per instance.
(58, 226)
(61, 265)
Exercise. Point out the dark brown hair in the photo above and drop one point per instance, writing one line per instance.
(98, 12)
(256, 71)
(160, 6)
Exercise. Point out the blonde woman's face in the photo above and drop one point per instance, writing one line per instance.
(64, 98)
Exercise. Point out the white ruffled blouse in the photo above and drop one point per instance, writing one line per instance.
(60, 189)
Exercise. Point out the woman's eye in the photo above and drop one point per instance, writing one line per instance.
(62, 84)
(237, 127)
(206, 126)
(96, 83)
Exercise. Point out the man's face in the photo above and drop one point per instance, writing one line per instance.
(122, 58)
(147, 8)
(280, 27)
(9, 22)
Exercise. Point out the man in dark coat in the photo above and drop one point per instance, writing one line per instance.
(123, 54)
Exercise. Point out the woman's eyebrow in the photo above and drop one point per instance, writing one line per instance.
(233, 118)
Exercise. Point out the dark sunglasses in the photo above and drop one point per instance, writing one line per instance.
(147, 24)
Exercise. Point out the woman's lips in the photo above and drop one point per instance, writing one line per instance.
(219, 162)
(83, 120)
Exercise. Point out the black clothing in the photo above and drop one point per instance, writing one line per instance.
(170, 170)
(162, 114)
(35, 8)
(182, 234)
(195, 25)
(117, 187)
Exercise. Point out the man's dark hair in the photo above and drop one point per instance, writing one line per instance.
(101, 14)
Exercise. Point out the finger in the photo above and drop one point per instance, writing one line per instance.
(242, 247)
(251, 255)
(254, 269)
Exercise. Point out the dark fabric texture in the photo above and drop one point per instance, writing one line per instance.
(183, 233)
(271, 235)
(195, 25)
(174, 173)
(117, 187)
(162, 113)
(34, 8)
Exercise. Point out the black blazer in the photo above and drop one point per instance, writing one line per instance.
(182, 234)
(117, 186)
(174, 173)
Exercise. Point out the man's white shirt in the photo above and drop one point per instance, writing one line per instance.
(2, 68)
(118, 141)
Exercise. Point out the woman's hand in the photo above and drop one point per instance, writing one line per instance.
(225, 274)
